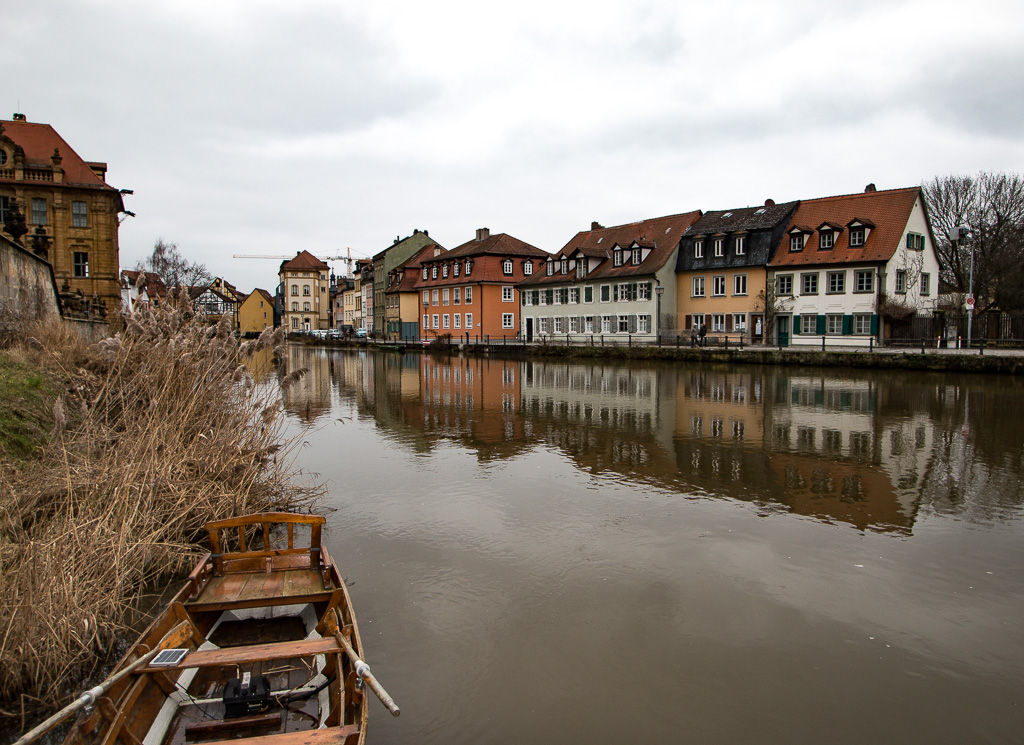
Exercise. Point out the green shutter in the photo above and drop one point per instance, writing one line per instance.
(874, 325)
(550, 296)
(819, 325)
(796, 324)
(847, 325)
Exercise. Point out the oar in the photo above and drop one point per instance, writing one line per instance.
(86, 699)
(363, 671)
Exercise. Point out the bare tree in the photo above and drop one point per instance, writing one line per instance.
(771, 304)
(173, 269)
(991, 205)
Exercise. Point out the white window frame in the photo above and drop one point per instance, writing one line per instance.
(739, 284)
(718, 323)
(698, 249)
(834, 324)
(445, 321)
(507, 295)
(864, 280)
(718, 285)
(836, 283)
(506, 267)
(809, 278)
(457, 320)
(444, 296)
(786, 279)
(469, 320)
(862, 324)
(809, 323)
(468, 295)
(437, 320)
(826, 239)
(508, 320)
(719, 246)
(456, 295)
(901, 282)
(796, 242)
(698, 287)
(435, 297)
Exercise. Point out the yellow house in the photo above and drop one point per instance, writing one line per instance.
(256, 313)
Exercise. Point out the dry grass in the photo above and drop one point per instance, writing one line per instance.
(157, 431)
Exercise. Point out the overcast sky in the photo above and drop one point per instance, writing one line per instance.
(270, 127)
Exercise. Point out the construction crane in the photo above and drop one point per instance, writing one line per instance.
(347, 258)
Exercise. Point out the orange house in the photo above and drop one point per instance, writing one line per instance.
(470, 292)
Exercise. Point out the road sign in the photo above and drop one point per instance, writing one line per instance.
(970, 302)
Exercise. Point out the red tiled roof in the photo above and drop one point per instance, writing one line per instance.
(38, 142)
(499, 244)
(411, 268)
(304, 261)
(663, 233)
(888, 210)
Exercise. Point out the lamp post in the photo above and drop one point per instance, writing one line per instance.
(659, 290)
(959, 236)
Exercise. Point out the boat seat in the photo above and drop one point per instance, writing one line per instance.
(286, 587)
(323, 736)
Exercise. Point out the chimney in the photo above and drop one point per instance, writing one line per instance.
(870, 189)
(482, 234)
(426, 233)
(595, 225)
(19, 117)
(769, 202)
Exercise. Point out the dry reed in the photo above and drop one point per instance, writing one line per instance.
(157, 431)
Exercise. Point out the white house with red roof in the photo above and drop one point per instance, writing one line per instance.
(605, 282)
(850, 266)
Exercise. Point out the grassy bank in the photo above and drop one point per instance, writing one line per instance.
(112, 457)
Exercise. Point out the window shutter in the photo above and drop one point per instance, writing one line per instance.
(631, 322)
(728, 321)
(874, 325)
(550, 295)
(633, 292)
(819, 325)
(650, 291)
(796, 324)
(847, 325)
(910, 241)
(689, 321)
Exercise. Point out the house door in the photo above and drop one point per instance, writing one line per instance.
(782, 330)
(758, 324)
(529, 329)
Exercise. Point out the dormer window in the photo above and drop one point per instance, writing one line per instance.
(469, 267)
(527, 268)
(698, 249)
(581, 268)
(636, 256)
(444, 271)
(455, 269)
(617, 257)
(433, 272)
(856, 237)
(424, 272)
(741, 245)
(796, 241)
(565, 265)
(720, 246)
(551, 267)
(506, 267)
(860, 229)
(915, 241)
(826, 239)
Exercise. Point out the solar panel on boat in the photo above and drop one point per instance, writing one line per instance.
(169, 657)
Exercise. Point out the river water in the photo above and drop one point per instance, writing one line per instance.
(553, 552)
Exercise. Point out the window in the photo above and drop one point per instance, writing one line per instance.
(622, 293)
(719, 247)
(741, 245)
(79, 215)
(739, 321)
(834, 324)
(295, 322)
(574, 324)
(784, 284)
(565, 265)
(445, 321)
(305, 307)
(718, 322)
(506, 294)
(825, 239)
(457, 295)
(425, 272)
(606, 293)
(856, 237)
(426, 297)
(698, 249)
(469, 320)
(295, 289)
(588, 294)
(455, 269)
(295, 306)
(636, 256)
(434, 297)
(574, 295)
(926, 287)
(623, 326)
(808, 324)
(901, 282)
(836, 282)
(469, 267)
(698, 287)
(469, 295)
(915, 241)
(426, 321)
(305, 290)
(697, 320)
(617, 257)
(436, 318)
(506, 267)
(643, 324)
(444, 296)
(433, 272)
(457, 319)
(581, 268)
(739, 284)
(809, 284)
(643, 291)
(588, 324)
(865, 280)
(527, 268)
(508, 320)
(796, 242)
(862, 324)
(606, 324)
(38, 211)
(718, 286)
(551, 267)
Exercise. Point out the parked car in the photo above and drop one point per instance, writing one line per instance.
(360, 333)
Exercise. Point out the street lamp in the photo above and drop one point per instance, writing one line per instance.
(959, 236)
(659, 290)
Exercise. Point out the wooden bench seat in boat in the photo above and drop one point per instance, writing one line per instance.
(322, 736)
(251, 653)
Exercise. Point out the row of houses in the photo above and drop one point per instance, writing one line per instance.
(845, 267)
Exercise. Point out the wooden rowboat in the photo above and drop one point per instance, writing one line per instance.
(260, 647)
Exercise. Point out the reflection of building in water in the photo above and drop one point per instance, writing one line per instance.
(310, 397)
(261, 365)
(726, 406)
(603, 416)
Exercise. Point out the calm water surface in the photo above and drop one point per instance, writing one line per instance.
(550, 552)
